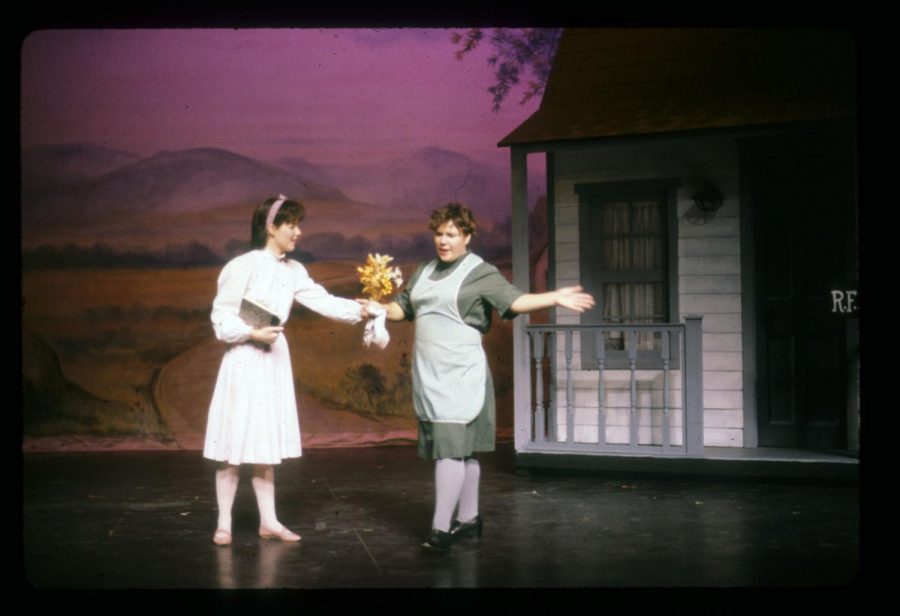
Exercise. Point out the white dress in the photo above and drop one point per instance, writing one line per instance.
(253, 413)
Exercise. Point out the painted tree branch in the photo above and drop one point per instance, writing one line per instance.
(515, 51)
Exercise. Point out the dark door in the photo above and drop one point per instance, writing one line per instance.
(803, 199)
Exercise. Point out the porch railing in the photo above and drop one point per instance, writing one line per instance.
(631, 389)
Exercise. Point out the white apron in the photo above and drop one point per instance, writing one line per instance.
(449, 364)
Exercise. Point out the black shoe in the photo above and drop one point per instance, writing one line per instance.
(460, 529)
(438, 541)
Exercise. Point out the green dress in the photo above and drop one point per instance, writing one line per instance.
(483, 290)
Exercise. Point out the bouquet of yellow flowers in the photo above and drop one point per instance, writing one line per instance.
(377, 278)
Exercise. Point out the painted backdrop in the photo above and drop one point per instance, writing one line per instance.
(143, 154)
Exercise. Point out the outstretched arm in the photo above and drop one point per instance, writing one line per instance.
(573, 298)
(316, 298)
(393, 310)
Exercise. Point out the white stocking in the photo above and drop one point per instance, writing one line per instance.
(468, 498)
(449, 474)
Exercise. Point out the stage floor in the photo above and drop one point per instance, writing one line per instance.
(145, 520)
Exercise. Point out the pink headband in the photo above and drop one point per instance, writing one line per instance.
(273, 211)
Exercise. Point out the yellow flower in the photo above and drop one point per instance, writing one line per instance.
(377, 278)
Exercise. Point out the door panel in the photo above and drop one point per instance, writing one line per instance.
(801, 190)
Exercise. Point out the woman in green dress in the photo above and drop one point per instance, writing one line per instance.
(450, 298)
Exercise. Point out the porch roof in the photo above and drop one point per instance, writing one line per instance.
(613, 82)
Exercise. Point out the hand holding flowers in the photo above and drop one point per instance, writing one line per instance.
(378, 280)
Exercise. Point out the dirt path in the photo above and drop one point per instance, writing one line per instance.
(184, 386)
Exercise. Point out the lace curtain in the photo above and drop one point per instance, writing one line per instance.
(632, 250)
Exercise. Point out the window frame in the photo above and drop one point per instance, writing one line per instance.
(590, 194)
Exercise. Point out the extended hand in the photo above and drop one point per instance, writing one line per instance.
(574, 298)
(369, 309)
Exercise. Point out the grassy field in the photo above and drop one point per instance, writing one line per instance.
(113, 328)
(114, 332)
(155, 230)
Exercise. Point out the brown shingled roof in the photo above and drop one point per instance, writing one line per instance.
(616, 82)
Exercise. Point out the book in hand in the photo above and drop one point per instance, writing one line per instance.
(256, 315)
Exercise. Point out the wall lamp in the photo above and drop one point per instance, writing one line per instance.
(708, 199)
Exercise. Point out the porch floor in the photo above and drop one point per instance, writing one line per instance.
(731, 462)
(778, 454)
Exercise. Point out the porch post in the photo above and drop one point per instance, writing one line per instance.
(521, 371)
(693, 387)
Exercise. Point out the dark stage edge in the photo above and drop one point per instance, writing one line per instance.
(144, 520)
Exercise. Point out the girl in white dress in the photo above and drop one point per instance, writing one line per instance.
(253, 413)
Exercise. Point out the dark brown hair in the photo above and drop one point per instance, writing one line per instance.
(457, 213)
(291, 211)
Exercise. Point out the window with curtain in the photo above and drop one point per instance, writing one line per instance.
(625, 260)
(632, 261)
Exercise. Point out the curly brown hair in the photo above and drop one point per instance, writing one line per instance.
(457, 213)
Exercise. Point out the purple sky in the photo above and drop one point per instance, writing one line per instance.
(332, 96)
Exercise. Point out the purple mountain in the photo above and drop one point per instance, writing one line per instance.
(86, 194)
(426, 179)
(191, 180)
(53, 165)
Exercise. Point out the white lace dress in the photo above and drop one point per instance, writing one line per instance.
(253, 413)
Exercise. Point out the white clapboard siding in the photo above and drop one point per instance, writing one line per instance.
(709, 280)
(709, 284)
(723, 225)
(698, 266)
(711, 248)
(710, 304)
(723, 360)
(721, 342)
(716, 418)
(723, 437)
(650, 427)
(617, 407)
(713, 399)
(722, 380)
(721, 323)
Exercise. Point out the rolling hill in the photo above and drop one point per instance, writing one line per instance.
(169, 182)
(419, 182)
(85, 194)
